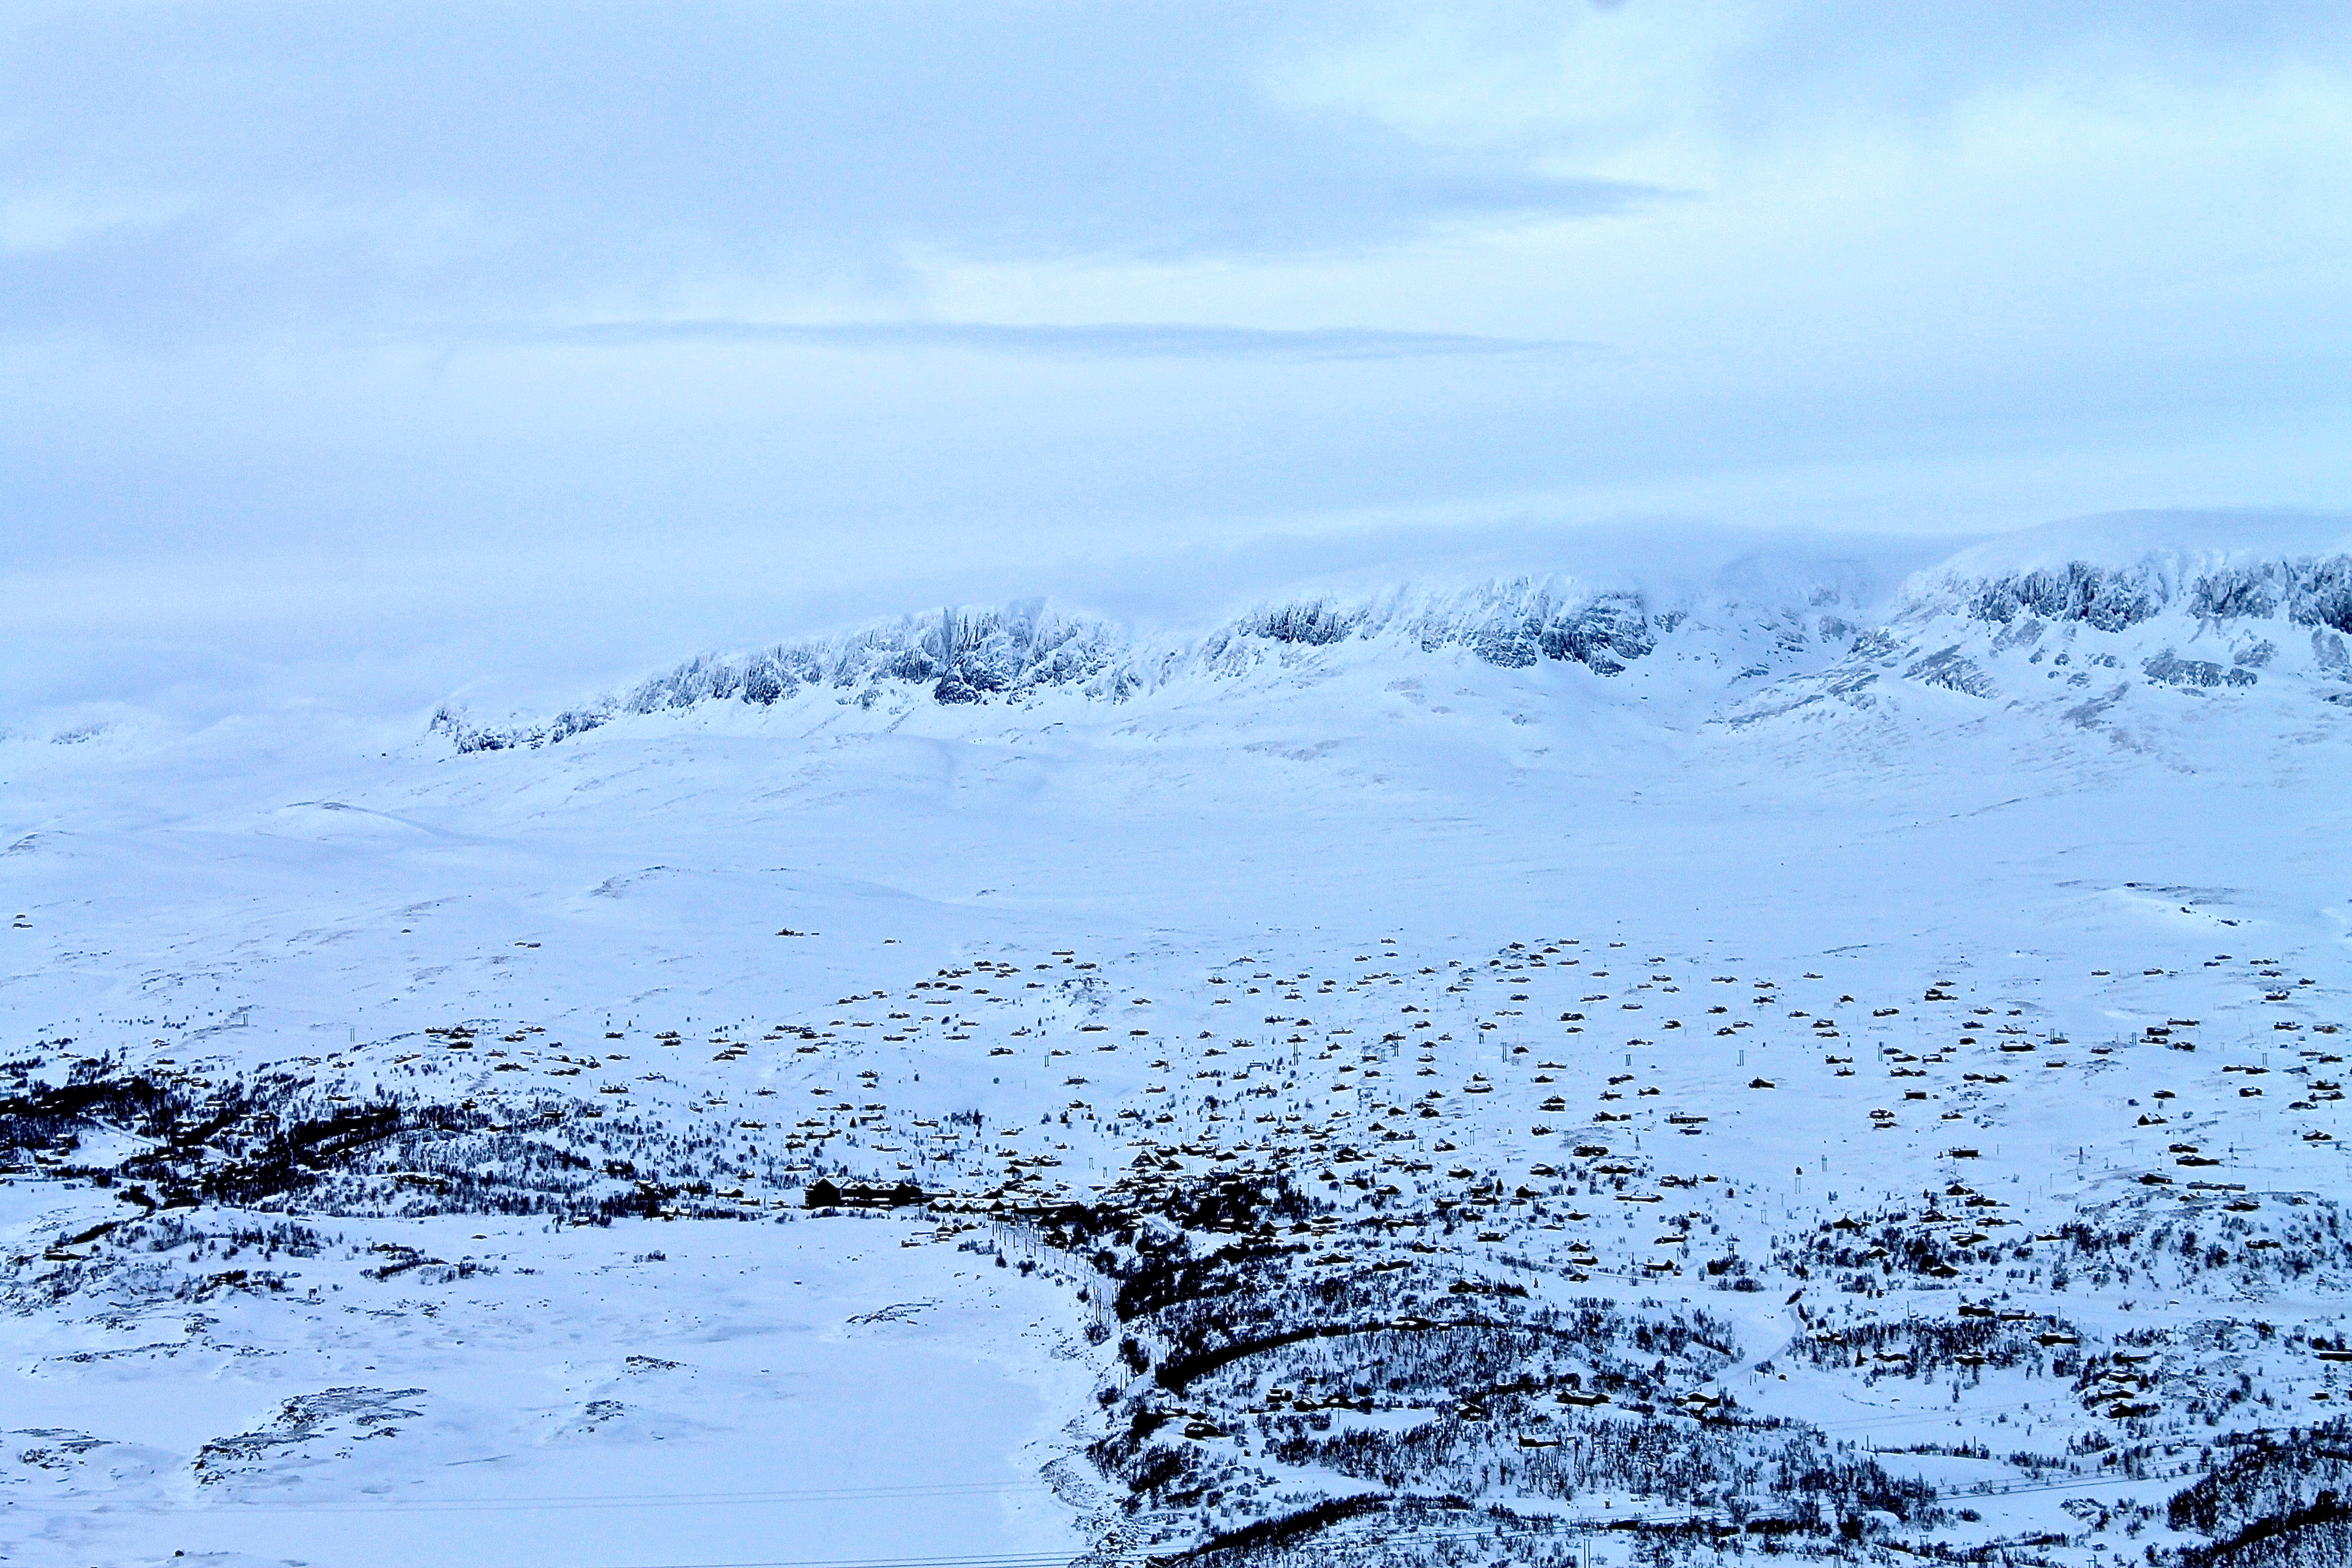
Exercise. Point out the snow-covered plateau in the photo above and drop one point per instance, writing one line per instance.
(1530, 1070)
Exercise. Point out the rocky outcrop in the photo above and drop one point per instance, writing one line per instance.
(1956, 630)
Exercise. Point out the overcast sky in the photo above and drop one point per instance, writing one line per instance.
(574, 338)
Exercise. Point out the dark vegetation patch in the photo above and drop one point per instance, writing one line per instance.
(271, 1140)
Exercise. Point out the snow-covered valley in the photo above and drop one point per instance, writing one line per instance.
(1522, 1071)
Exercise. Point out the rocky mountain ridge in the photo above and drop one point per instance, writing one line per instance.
(2202, 620)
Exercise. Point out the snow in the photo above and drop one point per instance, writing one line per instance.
(1079, 898)
(2124, 539)
(579, 1399)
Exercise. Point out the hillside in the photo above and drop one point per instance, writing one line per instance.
(1625, 1065)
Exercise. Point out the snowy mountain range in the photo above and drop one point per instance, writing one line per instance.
(2104, 610)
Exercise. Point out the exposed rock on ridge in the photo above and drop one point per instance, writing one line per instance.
(1947, 630)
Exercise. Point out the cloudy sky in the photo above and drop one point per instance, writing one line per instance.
(572, 338)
